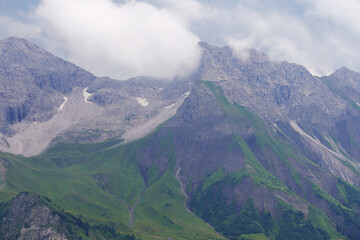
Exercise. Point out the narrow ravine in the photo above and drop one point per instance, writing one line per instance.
(182, 185)
(131, 211)
(177, 176)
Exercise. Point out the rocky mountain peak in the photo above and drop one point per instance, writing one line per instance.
(248, 55)
(17, 52)
(33, 83)
(24, 66)
(346, 83)
(346, 77)
(15, 43)
(342, 70)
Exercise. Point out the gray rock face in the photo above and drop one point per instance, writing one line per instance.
(275, 91)
(346, 130)
(345, 83)
(32, 82)
(45, 100)
(130, 108)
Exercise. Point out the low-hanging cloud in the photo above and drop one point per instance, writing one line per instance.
(120, 40)
(322, 35)
(11, 27)
(159, 37)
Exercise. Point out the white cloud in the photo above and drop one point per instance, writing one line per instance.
(156, 37)
(120, 40)
(279, 35)
(240, 48)
(345, 13)
(189, 9)
(11, 27)
(322, 36)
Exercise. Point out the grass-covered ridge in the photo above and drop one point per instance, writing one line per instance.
(210, 200)
(101, 184)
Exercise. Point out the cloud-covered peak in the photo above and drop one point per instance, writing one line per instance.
(120, 40)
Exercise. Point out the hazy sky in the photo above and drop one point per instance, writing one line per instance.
(127, 38)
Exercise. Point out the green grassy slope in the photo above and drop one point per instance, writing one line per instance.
(100, 184)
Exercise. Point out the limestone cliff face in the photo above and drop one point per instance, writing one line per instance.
(33, 82)
(275, 91)
(346, 130)
(45, 100)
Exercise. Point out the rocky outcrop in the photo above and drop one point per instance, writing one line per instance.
(275, 91)
(29, 217)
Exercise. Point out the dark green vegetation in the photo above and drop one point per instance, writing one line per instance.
(248, 181)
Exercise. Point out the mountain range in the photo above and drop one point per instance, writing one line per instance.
(243, 148)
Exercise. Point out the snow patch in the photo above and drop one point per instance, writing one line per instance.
(170, 106)
(62, 105)
(86, 95)
(142, 101)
